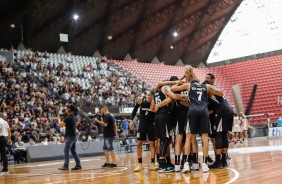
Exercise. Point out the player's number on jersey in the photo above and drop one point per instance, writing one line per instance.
(157, 100)
(146, 113)
(199, 93)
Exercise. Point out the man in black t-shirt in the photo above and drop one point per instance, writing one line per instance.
(71, 137)
(110, 133)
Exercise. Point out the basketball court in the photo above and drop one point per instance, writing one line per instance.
(257, 161)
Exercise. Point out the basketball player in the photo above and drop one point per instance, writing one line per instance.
(146, 128)
(71, 137)
(164, 123)
(236, 130)
(244, 126)
(221, 123)
(180, 113)
(198, 116)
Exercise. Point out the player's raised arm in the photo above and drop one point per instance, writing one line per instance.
(214, 90)
(183, 87)
(166, 90)
(164, 83)
(162, 104)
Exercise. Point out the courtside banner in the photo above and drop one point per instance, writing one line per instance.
(274, 132)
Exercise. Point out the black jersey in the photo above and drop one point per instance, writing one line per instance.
(158, 98)
(177, 102)
(219, 103)
(145, 114)
(198, 97)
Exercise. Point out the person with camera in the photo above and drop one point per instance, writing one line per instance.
(110, 133)
(70, 122)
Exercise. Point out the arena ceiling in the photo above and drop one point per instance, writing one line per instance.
(142, 28)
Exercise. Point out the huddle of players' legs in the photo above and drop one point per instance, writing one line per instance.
(181, 109)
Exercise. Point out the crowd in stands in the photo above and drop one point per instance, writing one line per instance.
(31, 104)
(95, 81)
(30, 109)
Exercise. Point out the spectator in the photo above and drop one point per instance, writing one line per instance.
(62, 140)
(45, 142)
(31, 142)
(279, 122)
(125, 127)
(20, 152)
(119, 130)
(55, 140)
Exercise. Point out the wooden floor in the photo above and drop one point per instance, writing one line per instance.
(258, 161)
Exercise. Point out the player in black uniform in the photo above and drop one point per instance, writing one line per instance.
(221, 124)
(164, 123)
(146, 128)
(198, 116)
(180, 113)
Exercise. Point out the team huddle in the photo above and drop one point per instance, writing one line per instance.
(174, 113)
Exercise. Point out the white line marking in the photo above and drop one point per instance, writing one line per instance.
(237, 174)
(118, 169)
(55, 163)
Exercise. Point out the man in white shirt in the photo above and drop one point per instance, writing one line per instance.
(5, 138)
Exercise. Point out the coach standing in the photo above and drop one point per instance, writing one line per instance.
(5, 139)
(71, 138)
(110, 133)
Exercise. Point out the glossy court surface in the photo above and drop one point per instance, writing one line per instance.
(257, 161)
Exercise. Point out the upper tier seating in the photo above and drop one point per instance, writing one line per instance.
(100, 82)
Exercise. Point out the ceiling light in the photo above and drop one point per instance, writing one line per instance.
(75, 16)
(110, 37)
(175, 34)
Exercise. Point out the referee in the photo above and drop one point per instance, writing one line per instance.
(5, 139)
(71, 138)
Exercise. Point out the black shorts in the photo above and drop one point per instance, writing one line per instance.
(212, 119)
(144, 130)
(198, 123)
(173, 116)
(181, 116)
(223, 122)
(163, 125)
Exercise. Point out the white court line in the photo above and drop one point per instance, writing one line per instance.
(255, 149)
(237, 174)
(55, 163)
(118, 169)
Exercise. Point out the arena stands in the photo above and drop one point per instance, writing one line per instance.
(34, 101)
(83, 79)
(263, 72)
